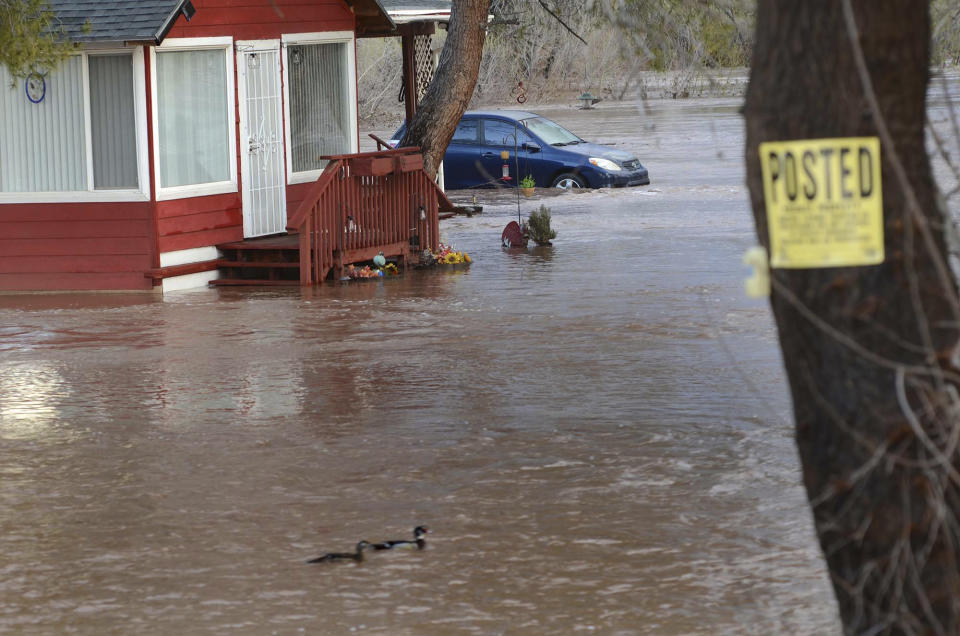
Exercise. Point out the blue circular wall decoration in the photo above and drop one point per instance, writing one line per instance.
(35, 87)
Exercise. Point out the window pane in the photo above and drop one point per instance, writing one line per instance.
(319, 106)
(500, 133)
(112, 121)
(42, 145)
(467, 132)
(193, 117)
(551, 132)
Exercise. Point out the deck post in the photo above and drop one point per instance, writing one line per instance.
(409, 72)
(306, 251)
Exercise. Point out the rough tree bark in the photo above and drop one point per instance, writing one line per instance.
(870, 352)
(452, 87)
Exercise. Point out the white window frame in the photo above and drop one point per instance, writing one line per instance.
(141, 192)
(197, 189)
(323, 37)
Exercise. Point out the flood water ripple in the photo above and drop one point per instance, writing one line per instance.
(597, 433)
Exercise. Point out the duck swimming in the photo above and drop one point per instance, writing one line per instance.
(342, 556)
(418, 541)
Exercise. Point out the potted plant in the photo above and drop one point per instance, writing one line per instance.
(527, 184)
(538, 226)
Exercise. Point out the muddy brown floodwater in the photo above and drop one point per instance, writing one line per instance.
(598, 433)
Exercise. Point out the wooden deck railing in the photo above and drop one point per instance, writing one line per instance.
(364, 204)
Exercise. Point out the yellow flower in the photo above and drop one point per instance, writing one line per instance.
(466, 258)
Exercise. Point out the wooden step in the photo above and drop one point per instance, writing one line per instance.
(265, 261)
(159, 273)
(281, 242)
(258, 264)
(253, 282)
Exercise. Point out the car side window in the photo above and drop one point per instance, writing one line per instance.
(467, 132)
(497, 132)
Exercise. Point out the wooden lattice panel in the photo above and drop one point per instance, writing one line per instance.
(423, 56)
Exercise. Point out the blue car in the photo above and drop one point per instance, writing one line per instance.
(538, 147)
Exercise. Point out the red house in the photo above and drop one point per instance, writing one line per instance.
(178, 126)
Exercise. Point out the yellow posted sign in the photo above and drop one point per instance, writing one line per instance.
(824, 206)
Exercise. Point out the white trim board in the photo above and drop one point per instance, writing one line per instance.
(188, 281)
(192, 255)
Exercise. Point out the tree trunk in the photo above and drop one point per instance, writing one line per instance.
(870, 352)
(452, 87)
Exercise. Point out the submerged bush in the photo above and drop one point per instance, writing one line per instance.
(538, 226)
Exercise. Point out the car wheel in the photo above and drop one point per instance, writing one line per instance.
(569, 180)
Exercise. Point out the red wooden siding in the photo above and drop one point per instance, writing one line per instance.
(76, 246)
(199, 221)
(296, 194)
(262, 19)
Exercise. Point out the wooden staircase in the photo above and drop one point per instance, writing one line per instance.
(362, 205)
(271, 260)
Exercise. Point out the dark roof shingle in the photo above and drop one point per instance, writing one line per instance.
(118, 21)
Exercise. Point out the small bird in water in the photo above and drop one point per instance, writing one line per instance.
(343, 556)
(418, 541)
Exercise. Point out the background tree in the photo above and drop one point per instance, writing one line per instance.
(448, 95)
(870, 352)
(676, 34)
(30, 37)
(946, 31)
(526, 43)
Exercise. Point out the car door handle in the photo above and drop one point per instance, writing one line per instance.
(489, 154)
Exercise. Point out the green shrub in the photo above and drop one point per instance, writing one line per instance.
(538, 226)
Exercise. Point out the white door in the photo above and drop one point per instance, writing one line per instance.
(261, 138)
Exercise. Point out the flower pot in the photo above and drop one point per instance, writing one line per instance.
(527, 192)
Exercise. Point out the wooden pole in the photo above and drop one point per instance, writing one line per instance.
(409, 71)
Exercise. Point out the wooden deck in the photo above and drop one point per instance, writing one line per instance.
(362, 205)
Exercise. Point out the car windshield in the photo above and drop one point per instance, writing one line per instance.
(551, 132)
